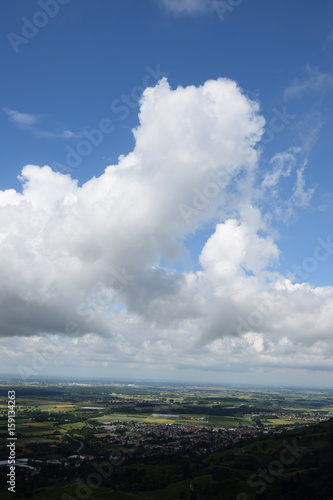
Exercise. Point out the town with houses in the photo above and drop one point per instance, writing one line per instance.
(142, 440)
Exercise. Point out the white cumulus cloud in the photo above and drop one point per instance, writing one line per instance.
(86, 261)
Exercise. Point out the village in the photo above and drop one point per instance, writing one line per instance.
(128, 442)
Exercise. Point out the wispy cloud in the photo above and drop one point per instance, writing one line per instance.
(283, 164)
(188, 6)
(64, 134)
(308, 127)
(33, 124)
(313, 81)
(285, 200)
(302, 196)
(22, 119)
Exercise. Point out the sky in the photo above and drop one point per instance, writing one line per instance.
(166, 190)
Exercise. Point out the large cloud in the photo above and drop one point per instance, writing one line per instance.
(87, 260)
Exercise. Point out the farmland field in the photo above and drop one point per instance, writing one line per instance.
(57, 421)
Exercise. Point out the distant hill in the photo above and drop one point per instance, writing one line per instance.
(294, 465)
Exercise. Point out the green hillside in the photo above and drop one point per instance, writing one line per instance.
(293, 465)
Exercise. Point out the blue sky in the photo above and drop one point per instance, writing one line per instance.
(72, 83)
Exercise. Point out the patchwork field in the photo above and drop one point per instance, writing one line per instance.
(56, 421)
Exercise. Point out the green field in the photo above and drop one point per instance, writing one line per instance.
(48, 417)
(228, 422)
(225, 422)
(119, 416)
(75, 425)
(283, 421)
